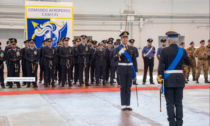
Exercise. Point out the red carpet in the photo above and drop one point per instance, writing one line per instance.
(90, 90)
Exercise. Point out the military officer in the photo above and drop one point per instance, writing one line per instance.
(41, 60)
(2, 59)
(131, 41)
(190, 52)
(73, 59)
(126, 70)
(23, 62)
(66, 55)
(104, 43)
(89, 42)
(100, 62)
(31, 56)
(108, 60)
(208, 47)
(185, 67)
(114, 65)
(202, 54)
(92, 71)
(7, 61)
(49, 54)
(173, 78)
(14, 57)
(83, 52)
(148, 53)
(56, 77)
(76, 70)
(163, 43)
(59, 60)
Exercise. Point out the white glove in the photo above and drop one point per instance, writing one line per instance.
(121, 51)
(159, 86)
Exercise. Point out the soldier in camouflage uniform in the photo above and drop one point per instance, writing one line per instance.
(208, 47)
(190, 52)
(202, 54)
(184, 67)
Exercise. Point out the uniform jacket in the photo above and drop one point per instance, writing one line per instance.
(83, 52)
(23, 63)
(100, 57)
(167, 56)
(93, 50)
(2, 58)
(49, 54)
(125, 69)
(113, 62)
(190, 52)
(31, 56)
(208, 48)
(75, 58)
(14, 57)
(108, 52)
(201, 53)
(6, 50)
(66, 53)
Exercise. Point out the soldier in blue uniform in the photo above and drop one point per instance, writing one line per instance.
(49, 54)
(59, 60)
(114, 65)
(76, 64)
(83, 52)
(2, 59)
(73, 59)
(7, 61)
(170, 68)
(14, 57)
(104, 43)
(100, 62)
(108, 60)
(92, 71)
(131, 41)
(23, 62)
(41, 65)
(148, 53)
(31, 56)
(126, 70)
(163, 43)
(66, 55)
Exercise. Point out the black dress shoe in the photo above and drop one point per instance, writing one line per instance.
(53, 85)
(3, 86)
(97, 84)
(187, 79)
(28, 87)
(152, 83)
(62, 85)
(129, 109)
(206, 81)
(45, 85)
(87, 84)
(10, 87)
(197, 81)
(111, 83)
(123, 109)
(186, 82)
(35, 86)
(19, 87)
(80, 84)
(114, 82)
(143, 83)
(91, 83)
(104, 83)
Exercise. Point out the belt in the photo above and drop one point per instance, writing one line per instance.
(125, 64)
(173, 71)
(202, 59)
(148, 57)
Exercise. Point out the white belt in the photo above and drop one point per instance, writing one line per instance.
(125, 64)
(173, 71)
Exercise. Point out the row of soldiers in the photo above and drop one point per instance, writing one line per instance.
(58, 64)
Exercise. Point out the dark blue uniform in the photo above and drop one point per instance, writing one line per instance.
(23, 63)
(2, 59)
(108, 62)
(148, 62)
(31, 56)
(41, 64)
(114, 65)
(93, 64)
(76, 65)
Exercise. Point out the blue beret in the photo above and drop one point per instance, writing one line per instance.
(191, 43)
(202, 41)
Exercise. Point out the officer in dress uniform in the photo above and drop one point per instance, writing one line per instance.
(41, 65)
(2, 59)
(202, 54)
(104, 43)
(23, 62)
(100, 62)
(114, 65)
(190, 52)
(131, 41)
(185, 67)
(49, 54)
(83, 52)
(174, 81)
(7, 61)
(59, 60)
(163, 43)
(126, 70)
(66, 55)
(76, 70)
(208, 48)
(73, 59)
(31, 56)
(92, 71)
(108, 60)
(148, 53)
(56, 77)
(14, 57)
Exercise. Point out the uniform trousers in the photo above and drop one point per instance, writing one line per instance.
(48, 75)
(41, 74)
(76, 72)
(100, 69)
(81, 65)
(174, 98)
(30, 74)
(2, 74)
(12, 73)
(92, 75)
(148, 63)
(64, 70)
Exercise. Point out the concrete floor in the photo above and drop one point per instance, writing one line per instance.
(99, 109)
